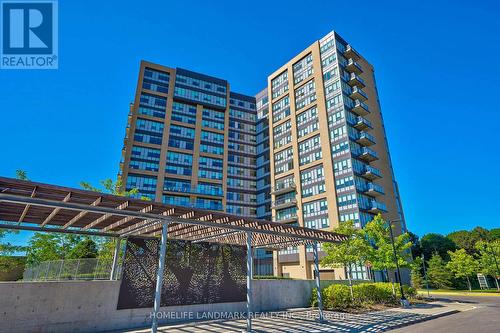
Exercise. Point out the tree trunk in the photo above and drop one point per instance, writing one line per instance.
(468, 284)
(349, 276)
(496, 282)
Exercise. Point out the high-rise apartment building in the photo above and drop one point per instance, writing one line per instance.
(309, 150)
(190, 141)
(330, 158)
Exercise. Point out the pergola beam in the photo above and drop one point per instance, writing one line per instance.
(55, 211)
(25, 210)
(81, 214)
(105, 217)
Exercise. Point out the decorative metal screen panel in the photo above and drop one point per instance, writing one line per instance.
(195, 273)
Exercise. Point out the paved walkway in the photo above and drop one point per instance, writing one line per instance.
(305, 321)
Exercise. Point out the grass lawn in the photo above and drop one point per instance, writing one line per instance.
(474, 292)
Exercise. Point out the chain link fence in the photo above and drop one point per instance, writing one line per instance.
(72, 269)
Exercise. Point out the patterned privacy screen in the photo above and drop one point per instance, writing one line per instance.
(195, 273)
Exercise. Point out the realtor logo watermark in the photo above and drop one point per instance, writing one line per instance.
(29, 35)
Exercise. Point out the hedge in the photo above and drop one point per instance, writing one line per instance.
(338, 296)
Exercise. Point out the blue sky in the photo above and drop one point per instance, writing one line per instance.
(436, 65)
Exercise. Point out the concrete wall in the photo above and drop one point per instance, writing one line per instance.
(90, 306)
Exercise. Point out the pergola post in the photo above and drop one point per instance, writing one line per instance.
(115, 259)
(249, 281)
(159, 276)
(318, 287)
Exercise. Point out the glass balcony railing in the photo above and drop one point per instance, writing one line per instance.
(377, 206)
(360, 108)
(200, 189)
(365, 138)
(355, 80)
(353, 67)
(373, 189)
(350, 52)
(284, 202)
(208, 205)
(357, 93)
(362, 123)
(283, 186)
(365, 154)
(371, 172)
(285, 218)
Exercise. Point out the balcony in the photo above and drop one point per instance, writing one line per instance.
(365, 139)
(356, 81)
(365, 154)
(284, 203)
(289, 218)
(353, 67)
(362, 124)
(359, 94)
(374, 190)
(351, 53)
(377, 207)
(371, 173)
(360, 108)
(283, 187)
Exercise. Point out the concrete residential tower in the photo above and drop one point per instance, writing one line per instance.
(330, 158)
(309, 150)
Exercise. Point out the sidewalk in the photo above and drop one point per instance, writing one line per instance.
(305, 320)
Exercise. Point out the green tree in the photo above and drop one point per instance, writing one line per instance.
(381, 255)
(462, 265)
(21, 174)
(494, 234)
(489, 258)
(115, 188)
(432, 243)
(416, 276)
(85, 248)
(438, 274)
(43, 247)
(416, 247)
(348, 253)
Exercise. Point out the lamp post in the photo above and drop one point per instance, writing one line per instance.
(403, 298)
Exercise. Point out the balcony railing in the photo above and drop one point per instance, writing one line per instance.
(356, 81)
(371, 173)
(365, 154)
(362, 123)
(365, 139)
(360, 108)
(200, 189)
(353, 67)
(377, 207)
(374, 189)
(283, 203)
(288, 218)
(350, 52)
(283, 187)
(357, 93)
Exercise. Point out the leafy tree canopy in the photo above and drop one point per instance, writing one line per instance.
(432, 243)
(438, 274)
(381, 255)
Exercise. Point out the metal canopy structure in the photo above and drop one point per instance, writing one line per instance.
(41, 207)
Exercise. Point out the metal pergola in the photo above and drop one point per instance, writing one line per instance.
(27, 205)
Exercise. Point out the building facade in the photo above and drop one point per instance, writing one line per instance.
(190, 141)
(308, 150)
(330, 158)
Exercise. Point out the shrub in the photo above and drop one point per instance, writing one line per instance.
(373, 293)
(337, 296)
